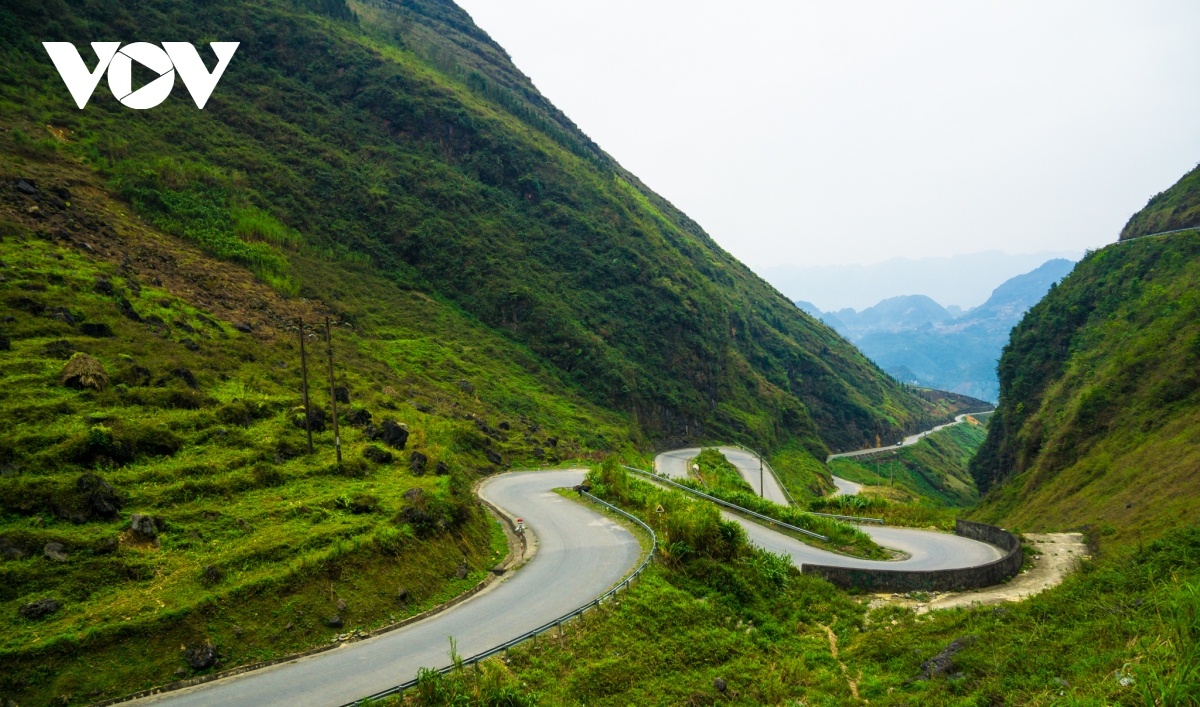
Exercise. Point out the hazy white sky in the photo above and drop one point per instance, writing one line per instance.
(810, 133)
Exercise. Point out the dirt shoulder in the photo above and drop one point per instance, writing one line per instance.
(1057, 555)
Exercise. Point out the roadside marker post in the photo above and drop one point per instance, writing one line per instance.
(304, 378)
(337, 440)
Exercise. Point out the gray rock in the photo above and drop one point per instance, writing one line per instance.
(416, 462)
(466, 387)
(341, 604)
(107, 546)
(102, 499)
(143, 525)
(441, 469)
(38, 609)
(26, 188)
(392, 434)
(719, 685)
(377, 455)
(9, 550)
(402, 595)
(342, 394)
(201, 657)
(462, 571)
(943, 663)
(493, 456)
(244, 328)
(211, 574)
(55, 551)
(334, 621)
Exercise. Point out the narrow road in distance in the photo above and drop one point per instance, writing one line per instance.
(580, 555)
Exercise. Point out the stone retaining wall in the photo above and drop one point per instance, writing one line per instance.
(879, 580)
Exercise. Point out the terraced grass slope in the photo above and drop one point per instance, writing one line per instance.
(399, 137)
(1099, 416)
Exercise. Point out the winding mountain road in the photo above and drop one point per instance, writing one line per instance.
(906, 442)
(580, 555)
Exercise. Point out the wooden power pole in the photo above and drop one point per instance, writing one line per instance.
(337, 440)
(304, 378)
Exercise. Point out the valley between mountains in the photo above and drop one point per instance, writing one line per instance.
(262, 365)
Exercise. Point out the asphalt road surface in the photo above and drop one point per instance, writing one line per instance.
(580, 555)
(676, 463)
(845, 486)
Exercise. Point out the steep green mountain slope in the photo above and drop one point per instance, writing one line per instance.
(1175, 208)
(399, 136)
(1099, 415)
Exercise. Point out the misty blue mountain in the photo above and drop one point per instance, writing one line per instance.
(918, 341)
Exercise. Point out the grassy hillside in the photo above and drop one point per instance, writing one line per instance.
(1099, 416)
(935, 468)
(1175, 208)
(197, 426)
(398, 137)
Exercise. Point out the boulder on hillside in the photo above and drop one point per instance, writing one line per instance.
(143, 525)
(55, 551)
(358, 417)
(342, 394)
(416, 462)
(377, 455)
(102, 499)
(316, 418)
(393, 434)
(39, 609)
(201, 657)
(83, 372)
(441, 469)
(97, 330)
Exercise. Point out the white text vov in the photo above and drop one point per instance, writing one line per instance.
(118, 60)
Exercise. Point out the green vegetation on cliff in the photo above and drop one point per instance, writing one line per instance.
(1099, 416)
(1175, 208)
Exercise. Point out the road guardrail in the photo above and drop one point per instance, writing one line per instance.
(556, 623)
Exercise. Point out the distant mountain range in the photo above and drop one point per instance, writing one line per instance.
(918, 341)
(964, 280)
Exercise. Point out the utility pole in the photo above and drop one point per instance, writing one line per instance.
(337, 440)
(304, 377)
(761, 494)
